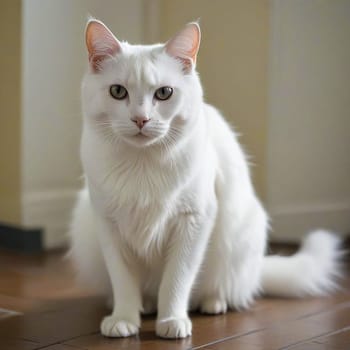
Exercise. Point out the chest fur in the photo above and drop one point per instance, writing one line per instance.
(144, 229)
(138, 191)
(141, 199)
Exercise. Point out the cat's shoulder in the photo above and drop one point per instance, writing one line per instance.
(217, 123)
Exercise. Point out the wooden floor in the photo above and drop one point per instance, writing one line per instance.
(41, 308)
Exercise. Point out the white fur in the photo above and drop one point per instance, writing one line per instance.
(170, 220)
(311, 271)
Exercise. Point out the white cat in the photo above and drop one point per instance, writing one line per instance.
(169, 220)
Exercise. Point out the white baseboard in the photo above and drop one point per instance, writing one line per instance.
(290, 224)
(51, 211)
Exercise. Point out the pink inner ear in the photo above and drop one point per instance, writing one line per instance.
(100, 42)
(185, 45)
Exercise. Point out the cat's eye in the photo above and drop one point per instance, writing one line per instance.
(118, 92)
(163, 93)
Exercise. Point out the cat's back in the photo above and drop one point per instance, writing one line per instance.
(221, 133)
(231, 159)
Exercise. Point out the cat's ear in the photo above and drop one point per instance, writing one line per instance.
(184, 45)
(100, 42)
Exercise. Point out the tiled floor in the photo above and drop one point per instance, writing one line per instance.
(52, 313)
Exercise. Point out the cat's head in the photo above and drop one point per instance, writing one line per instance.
(142, 95)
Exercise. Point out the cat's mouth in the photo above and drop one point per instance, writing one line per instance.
(141, 139)
(140, 134)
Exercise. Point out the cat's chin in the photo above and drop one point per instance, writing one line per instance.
(140, 140)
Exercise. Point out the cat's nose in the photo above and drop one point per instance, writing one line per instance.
(140, 121)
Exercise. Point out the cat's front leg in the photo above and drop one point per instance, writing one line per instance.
(125, 319)
(184, 256)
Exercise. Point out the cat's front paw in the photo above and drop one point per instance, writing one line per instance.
(112, 326)
(173, 327)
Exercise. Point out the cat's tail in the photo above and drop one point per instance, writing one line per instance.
(312, 271)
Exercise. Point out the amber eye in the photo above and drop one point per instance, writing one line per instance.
(118, 92)
(163, 93)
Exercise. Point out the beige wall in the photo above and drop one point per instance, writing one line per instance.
(296, 130)
(279, 71)
(232, 63)
(309, 120)
(10, 94)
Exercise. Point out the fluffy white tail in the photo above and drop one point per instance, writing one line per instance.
(312, 271)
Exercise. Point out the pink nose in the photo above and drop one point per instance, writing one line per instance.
(140, 121)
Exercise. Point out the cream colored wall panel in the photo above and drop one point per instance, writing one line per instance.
(309, 120)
